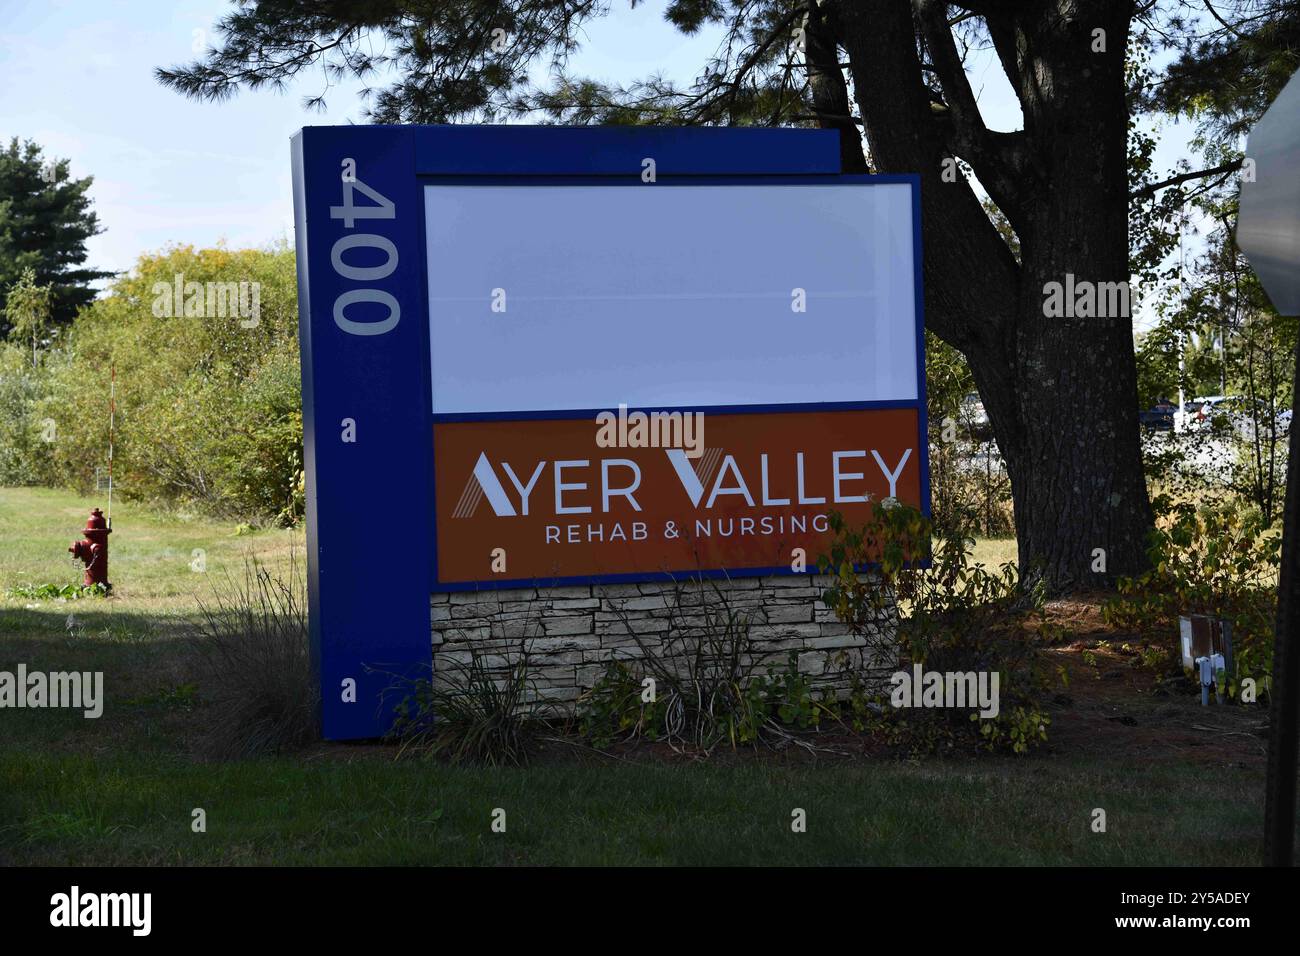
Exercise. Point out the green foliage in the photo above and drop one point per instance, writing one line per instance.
(969, 488)
(618, 706)
(948, 378)
(1152, 216)
(952, 616)
(26, 457)
(625, 705)
(208, 405)
(1218, 334)
(51, 592)
(1231, 67)
(471, 712)
(1155, 658)
(45, 220)
(701, 687)
(701, 679)
(441, 69)
(790, 694)
(1219, 561)
(1020, 731)
(704, 670)
(28, 309)
(928, 605)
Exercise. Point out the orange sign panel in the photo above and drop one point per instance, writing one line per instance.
(539, 500)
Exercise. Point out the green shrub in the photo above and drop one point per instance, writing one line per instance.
(1221, 561)
(953, 616)
(209, 410)
(620, 705)
(25, 446)
(969, 488)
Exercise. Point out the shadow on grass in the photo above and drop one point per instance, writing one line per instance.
(143, 658)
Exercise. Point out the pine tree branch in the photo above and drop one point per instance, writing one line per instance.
(1153, 188)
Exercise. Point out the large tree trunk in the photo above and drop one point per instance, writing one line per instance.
(1061, 393)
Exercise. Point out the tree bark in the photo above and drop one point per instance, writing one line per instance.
(1284, 705)
(1061, 392)
(830, 94)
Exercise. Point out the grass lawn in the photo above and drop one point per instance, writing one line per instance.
(1179, 784)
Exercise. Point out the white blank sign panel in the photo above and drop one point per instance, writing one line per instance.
(657, 295)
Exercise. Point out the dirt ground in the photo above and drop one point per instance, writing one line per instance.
(1123, 709)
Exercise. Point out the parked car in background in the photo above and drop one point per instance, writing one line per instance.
(1235, 412)
(1195, 411)
(1159, 417)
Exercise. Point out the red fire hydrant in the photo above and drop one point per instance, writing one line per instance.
(93, 549)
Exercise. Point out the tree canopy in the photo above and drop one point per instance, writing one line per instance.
(1006, 215)
(45, 220)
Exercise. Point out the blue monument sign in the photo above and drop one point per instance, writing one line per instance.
(424, 393)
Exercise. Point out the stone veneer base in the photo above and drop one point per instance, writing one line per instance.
(572, 633)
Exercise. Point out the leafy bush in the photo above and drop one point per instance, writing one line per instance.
(24, 451)
(254, 663)
(208, 406)
(953, 616)
(1221, 561)
(620, 705)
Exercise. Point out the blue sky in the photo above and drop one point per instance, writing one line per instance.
(76, 76)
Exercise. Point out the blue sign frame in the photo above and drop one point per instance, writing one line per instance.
(364, 336)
